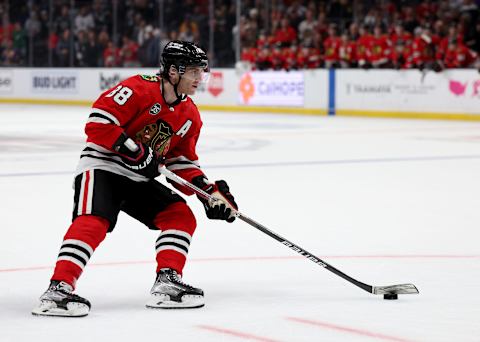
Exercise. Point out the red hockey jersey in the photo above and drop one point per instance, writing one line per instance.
(136, 106)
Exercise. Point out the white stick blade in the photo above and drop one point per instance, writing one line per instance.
(395, 289)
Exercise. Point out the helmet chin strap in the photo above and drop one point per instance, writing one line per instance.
(175, 89)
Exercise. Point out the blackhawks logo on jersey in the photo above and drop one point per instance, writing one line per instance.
(150, 78)
(156, 135)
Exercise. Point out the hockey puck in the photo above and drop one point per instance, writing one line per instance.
(390, 296)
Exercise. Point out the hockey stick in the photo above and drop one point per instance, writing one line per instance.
(389, 292)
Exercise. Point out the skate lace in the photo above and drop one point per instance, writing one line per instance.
(68, 292)
(176, 278)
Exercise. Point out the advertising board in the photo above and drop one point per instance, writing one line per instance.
(272, 88)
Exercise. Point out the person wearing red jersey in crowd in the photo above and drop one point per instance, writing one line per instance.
(452, 36)
(314, 58)
(263, 40)
(380, 49)
(401, 51)
(129, 53)
(363, 47)
(285, 35)
(290, 57)
(347, 52)
(249, 55)
(459, 56)
(426, 10)
(111, 55)
(424, 50)
(331, 47)
(419, 47)
(264, 59)
(141, 123)
(399, 36)
(277, 57)
(302, 57)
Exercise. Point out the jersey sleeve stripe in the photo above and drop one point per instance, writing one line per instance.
(181, 163)
(106, 114)
(182, 167)
(99, 118)
(181, 159)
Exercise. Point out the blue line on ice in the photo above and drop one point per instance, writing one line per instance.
(282, 164)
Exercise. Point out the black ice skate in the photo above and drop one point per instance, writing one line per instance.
(170, 292)
(59, 300)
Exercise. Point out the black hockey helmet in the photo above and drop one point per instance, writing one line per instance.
(182, 54)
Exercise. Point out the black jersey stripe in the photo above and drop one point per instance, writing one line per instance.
(107, 159)
(98, 115)
(91, 149)
(181, 162)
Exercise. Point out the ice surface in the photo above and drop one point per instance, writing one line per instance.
(385, 201)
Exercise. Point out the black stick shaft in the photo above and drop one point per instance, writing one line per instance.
(304, 253)
(167, 173)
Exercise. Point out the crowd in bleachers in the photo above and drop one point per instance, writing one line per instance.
(95, 33)
(392, 34)
(280, 34)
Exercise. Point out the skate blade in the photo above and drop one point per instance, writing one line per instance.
(164, 302)
(47, 308)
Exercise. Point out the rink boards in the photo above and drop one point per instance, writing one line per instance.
(453, 94)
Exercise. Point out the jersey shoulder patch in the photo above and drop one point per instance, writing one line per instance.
(150, 78)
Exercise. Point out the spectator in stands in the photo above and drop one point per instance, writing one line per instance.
(249, 55)
(364, 43)
(62, 50)
(111, 55)
(380, 49)
(149, 50)
(101, 14)
(9, 56)
(63, 22)
(33, 25)
(264, 60)
(277, 58)
(188, 30)
(295, 13)
(307, 27)
(410, 21)
(129, 53)
(80, 47)
(19, 40)
(347, 52)
(84, 20)
(290, 57)
(401, 48)
(261, 26)
(459, 55)
(285, 35)
(331, 47)
(92, 50)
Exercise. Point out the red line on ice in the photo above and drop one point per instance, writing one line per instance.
(256, 258)
(348, 329)
(236, 333)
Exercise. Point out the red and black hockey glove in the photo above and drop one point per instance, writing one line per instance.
(221, 208)
(139, 158)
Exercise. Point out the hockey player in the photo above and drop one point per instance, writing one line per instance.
(133, 127)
